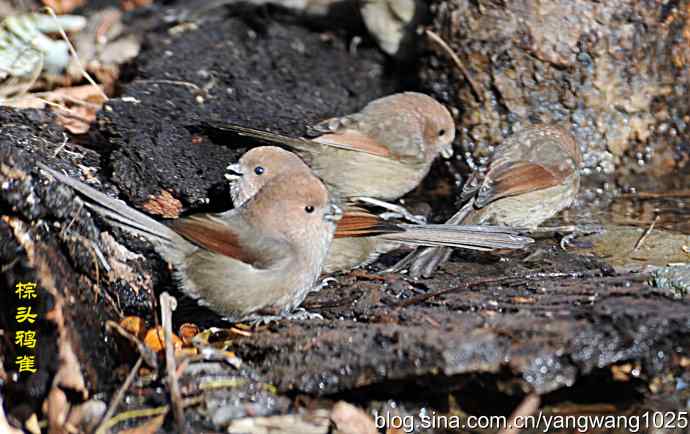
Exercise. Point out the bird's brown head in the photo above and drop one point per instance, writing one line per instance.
(257, 167)
(439, 126)
(295, 206)
(568, 143)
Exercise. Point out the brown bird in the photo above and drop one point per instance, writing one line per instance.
(263, 256)
(382, 152)
(532, 176)
(360, 236)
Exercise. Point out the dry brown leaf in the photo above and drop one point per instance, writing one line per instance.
(128, 5)
(134, 325)
(187, 332)
(76, 107)
(154, 340)
(63, 6)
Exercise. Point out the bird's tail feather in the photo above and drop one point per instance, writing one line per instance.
(116, 211)
(464, 236)
(265, 136)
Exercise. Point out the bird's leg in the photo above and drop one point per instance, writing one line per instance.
(573, 231)
(396, 211)
(423, 261)
(301, 314)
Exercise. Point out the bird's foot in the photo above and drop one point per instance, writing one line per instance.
(298, 314)
(301, 314)
(571, 231)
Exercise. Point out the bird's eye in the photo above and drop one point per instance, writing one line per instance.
(259, 170)
(441, 133)
(309, 209)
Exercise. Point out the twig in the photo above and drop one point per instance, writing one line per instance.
(59, 148)
(653, 195)
(168, 304)
(118, 397)
(644, 236)
(74, 53)
(146, 412)
(526, 408)
(174, 82)
(146, 353)
(475, 88)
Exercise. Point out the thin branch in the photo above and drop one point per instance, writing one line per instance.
(74, 53)
(644, 236)
(168, 304)
(475, 88)
(118, 397)
(527, 407)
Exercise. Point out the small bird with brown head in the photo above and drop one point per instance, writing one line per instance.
(532, 176)
(361, 236)
(265, 255)
(381, 152)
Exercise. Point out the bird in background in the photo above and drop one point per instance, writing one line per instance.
(361, 236)
(532, 176)
(376, 155)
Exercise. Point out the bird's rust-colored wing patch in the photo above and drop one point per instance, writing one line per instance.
(209, 233)
(354, 141)
(515, 178)
(357, 222)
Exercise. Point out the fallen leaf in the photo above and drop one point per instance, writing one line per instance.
(155, 342)
(134, 325)
(187, 333)
(63, 6)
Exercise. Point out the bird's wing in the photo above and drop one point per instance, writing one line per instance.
(357, 222)
(396, 135)
(513, 178)
(223, 236)
(352, 142)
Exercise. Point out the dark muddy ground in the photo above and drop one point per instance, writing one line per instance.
(588, 336)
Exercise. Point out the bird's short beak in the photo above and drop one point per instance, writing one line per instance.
(234, 172)
(334, 214)
(447, 150)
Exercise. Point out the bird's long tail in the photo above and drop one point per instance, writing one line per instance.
(464, 236)
(116, 211)
(265, 136)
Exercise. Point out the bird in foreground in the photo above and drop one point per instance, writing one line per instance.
(532, 176)
(361, 236)
(260, 258)
(381, 152)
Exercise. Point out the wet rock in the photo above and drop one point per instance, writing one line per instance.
(616, 72)
(675, 279)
